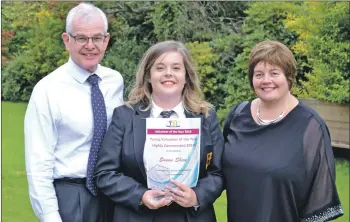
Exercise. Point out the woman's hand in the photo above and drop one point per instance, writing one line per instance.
(183, 195)
(154, 199)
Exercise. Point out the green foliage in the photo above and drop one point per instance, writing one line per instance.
(196, 21)
(134, 18)
(204, 59)
(18, 25)
(124, 56)
(169, 19)
(326, 43)
(14, 80)
(5, 55)
(44, 53)
(220, 36)
(327, 84)
(227, 48)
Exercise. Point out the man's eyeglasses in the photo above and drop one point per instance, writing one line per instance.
(82, 39)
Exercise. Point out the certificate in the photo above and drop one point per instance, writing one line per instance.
(172, 151)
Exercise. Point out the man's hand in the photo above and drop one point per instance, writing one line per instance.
(183, 195)
(154, 199)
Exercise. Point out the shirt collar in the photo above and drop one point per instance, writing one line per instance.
(80, 74)
(156, 110)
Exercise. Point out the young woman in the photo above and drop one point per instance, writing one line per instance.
(165, 81)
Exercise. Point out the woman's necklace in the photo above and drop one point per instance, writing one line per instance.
(267, 122)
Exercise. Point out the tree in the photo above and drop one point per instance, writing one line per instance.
(42, 53)
(125, 63)
(5, 55)
(204, 59)
(15, 27)
(325, 42)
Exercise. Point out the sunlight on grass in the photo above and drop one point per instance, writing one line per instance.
(342, 180)
(14, 181)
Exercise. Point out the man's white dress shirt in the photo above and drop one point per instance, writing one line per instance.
(58, 130)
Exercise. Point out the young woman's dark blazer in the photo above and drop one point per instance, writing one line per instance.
(120, 172)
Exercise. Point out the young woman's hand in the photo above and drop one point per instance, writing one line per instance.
(154, 199)
(183, 195)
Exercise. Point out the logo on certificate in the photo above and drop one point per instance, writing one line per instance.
(173, 123)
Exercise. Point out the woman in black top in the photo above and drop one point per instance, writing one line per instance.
(278, 159)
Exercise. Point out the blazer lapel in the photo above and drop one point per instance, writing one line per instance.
(139, 129)
(192, 115)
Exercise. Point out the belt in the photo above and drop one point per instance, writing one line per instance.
(72, 180)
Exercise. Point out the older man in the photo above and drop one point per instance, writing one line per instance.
(66, 119)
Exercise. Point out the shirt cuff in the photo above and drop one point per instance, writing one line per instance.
(51, 217)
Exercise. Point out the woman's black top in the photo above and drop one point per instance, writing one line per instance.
(281, 172)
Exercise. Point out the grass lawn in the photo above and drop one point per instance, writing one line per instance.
(15, 201)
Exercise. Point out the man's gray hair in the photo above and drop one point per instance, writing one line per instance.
(87, 12)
